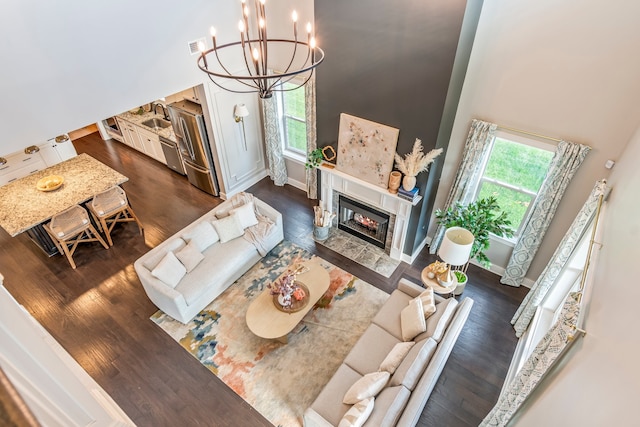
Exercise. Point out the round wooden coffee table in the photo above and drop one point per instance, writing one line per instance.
(267, 321)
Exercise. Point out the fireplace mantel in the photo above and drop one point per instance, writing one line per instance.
(380, 198)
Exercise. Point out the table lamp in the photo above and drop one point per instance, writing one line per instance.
(454, 250)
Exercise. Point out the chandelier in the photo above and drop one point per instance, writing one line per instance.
(296, 57)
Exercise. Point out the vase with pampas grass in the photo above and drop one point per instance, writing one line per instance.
(415, 162)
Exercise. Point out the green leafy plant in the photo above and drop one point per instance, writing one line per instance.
(314, 159)
(481, 218)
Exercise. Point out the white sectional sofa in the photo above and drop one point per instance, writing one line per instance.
(200, 261)
(405, 394)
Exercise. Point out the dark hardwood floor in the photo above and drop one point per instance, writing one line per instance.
(100, 314)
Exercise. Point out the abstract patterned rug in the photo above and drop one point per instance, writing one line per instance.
(279, 380)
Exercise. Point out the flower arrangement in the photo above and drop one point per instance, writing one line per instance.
(285, 286)
(415, 162)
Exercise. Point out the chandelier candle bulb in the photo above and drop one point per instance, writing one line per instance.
(212, 30)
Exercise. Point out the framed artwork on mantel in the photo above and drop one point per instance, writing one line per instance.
(366, 149)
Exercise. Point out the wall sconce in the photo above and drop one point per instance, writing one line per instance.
(31, 149)
(241, 111)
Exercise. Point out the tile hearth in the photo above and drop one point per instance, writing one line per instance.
(366, 254)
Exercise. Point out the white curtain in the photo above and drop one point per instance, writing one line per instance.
(551, 347)
(547, 279)
(564, 164)
(476, 150)
(312, 138)
(273, 142)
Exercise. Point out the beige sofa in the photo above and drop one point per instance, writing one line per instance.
(218, 265)
(403, 398)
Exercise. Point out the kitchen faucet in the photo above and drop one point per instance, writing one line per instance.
(154, 107)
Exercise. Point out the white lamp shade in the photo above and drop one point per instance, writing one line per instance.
(456, 246)
(241, 110)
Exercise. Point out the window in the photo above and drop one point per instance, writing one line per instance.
(513, 174)
(291, 107)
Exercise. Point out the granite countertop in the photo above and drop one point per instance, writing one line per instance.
(23, 206)
(137, 120)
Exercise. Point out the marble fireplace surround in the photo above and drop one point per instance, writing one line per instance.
(334, 181)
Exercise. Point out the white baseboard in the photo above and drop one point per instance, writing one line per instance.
(297, 184)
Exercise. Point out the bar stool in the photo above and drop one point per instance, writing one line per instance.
(70, 228)
(111, 207)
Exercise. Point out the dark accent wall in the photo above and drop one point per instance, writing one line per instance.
(467, 35)
(390, 62)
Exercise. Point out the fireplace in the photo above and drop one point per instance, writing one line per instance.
(363, 221)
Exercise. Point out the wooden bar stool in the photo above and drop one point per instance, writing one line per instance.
(111, 207)
(70, 228)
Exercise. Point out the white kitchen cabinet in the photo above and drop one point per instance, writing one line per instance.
(151, 144)
(131, 137)
(19, 165)
(53, 152)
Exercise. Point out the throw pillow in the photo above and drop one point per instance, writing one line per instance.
(169, 270)
(228, 228)
(367, 386)
(246, 215)
(412, 320)
(203, 235)
(428, 302)
(190, 256)
(358, 414)
(396, 356)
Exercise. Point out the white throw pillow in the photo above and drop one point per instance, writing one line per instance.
(190, 256)
(412, 321)
(367, 386)
(428, 302)
(396, 356)
(358, 414)
(203, 235)
(228, 228)
(169, 270)
(246, 215)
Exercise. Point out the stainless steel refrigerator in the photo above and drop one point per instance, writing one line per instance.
(188, 125)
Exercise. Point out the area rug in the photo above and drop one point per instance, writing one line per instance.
(279, 380)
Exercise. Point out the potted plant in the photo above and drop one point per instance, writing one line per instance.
(461, 277)
(415, 162)
(314, 159)
(481, 218)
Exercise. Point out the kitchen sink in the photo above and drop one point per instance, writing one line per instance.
(156, 124)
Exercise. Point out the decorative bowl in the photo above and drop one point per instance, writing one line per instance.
(50, 183)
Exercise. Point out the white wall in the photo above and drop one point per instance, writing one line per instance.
(598, 384)
(564, 69)
(66, 64)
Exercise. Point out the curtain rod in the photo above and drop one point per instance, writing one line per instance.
(524, 132)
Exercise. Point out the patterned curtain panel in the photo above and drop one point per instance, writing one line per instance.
(547, 279)
(273, 142)
(550, 348)
(564, 164)
(312, 137)
(476, 150)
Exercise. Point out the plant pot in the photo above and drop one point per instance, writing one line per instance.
(394, 182)
(462, 281)
(408, 182)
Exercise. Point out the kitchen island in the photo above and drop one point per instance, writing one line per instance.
(24, 208)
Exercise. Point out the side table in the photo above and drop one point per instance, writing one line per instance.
(437, 287)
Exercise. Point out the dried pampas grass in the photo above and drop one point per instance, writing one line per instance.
(416, 161)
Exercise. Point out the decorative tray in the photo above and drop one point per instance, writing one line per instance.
(295, 305)
(50, 183)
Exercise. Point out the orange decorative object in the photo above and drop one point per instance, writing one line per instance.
(299, 294)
